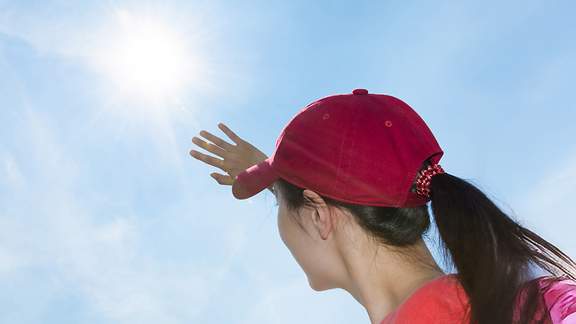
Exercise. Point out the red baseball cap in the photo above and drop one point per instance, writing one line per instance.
(362, 148)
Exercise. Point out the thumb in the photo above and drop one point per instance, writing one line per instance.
(222, 179)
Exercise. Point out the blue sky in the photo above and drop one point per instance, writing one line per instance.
(105, 218)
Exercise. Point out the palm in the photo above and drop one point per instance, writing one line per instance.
(236, 157)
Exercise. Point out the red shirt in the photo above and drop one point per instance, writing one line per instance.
(444, 301)
(441, 300)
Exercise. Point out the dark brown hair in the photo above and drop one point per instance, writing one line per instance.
(491, 252)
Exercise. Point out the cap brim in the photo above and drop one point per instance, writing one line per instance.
(254, 179)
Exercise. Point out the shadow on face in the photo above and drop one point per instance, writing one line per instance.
(317, 257)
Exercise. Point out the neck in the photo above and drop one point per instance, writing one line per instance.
(382, 281)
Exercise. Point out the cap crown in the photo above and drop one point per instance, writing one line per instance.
(359, 148)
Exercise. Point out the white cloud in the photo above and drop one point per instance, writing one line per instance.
(279, 299)
(101, 260)
(10, 175)
(546, 207)
(556, 188)
(8, 261)
(77, 32)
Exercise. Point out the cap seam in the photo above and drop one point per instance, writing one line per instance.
(351, 131)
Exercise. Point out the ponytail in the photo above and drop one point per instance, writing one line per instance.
(491, 252)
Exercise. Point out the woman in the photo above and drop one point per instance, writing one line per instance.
(352, 174)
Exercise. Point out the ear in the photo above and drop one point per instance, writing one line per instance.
(321, 219)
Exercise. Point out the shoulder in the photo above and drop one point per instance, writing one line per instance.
(559, 294)
(441, 300)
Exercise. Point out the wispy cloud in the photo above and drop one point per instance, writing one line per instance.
(85, 38)
(100, 259)
(546, 205)
(11, 173)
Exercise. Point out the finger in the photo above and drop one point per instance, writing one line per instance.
(217, 140)
(222, 179)
(208, 159)
(210, 147)
(235, 138)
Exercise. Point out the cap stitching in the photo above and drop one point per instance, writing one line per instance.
(351, 133)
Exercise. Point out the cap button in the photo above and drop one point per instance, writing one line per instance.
(359, 91)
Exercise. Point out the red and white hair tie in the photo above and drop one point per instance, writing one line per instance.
(424, 177)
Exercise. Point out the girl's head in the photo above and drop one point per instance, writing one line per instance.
(319, 231)
(346, 167)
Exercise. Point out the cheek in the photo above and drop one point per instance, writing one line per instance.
(300, 246)
(311, 257)
(283, 227)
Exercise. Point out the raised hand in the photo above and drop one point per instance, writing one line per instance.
(236, 157)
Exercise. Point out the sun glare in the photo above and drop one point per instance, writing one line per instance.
(145, 58)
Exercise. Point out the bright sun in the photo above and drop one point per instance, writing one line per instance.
(145, 58)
